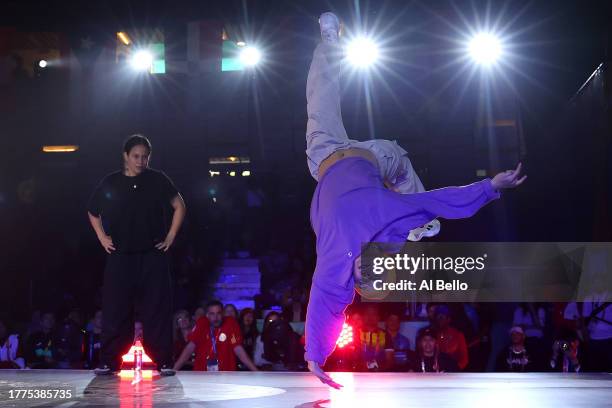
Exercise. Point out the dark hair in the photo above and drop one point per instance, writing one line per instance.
(214, 303)
(267, 319)
(426, 332)
(246, 311)
(233, 307)
(252, 330)
(136, 140)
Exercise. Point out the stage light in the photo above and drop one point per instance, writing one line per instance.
(124, 38)
(240, 43)
(42, 63)
(246, 173)
(142, 60)
(250, 56)
(485, 49)
(232, 173)
(346, 336)
(60, 149)
(362, 52)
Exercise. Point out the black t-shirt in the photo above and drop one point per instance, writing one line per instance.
(445, 364)
(510, 361)
(134, 210)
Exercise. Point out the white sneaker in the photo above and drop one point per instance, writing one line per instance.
(428, 230)
(330, 27)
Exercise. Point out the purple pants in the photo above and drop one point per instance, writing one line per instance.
(351, 206)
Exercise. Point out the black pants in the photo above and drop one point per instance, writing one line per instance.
(137, 282)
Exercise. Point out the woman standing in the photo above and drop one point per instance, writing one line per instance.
(129, 211)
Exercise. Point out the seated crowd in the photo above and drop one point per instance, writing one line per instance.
(444, 338)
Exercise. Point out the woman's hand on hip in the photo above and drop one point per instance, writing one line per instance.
(107, 243)
(166, 243)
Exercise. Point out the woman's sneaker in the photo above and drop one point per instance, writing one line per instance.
(166, 371)
(330, 27)
(428, 230)
(104, 370)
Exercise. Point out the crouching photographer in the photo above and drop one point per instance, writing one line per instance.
(566, 353)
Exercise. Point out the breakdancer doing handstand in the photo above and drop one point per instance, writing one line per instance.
(357, 202)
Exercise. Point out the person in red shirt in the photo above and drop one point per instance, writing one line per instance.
(450, 340)
(216, 341)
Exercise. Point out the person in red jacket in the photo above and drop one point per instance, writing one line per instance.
(450, 340)
(216, 341)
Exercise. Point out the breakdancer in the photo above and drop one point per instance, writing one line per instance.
(355, 203)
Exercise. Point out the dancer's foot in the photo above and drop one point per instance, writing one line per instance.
(428, 230)
(330, 27)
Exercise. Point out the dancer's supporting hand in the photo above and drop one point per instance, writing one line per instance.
(314, 368)
(508, 178)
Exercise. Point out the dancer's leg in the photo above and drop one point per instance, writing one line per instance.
(325, 131)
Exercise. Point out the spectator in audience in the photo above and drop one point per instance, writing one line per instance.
(10, 349)
(282, 346)
(516, 357)
(597, 319)
(375, 349)
(248, 328)
(199, 312)
(532, 318)
(216, 341)
(431, 313)
(40, 345)
(94, 342)
(450, 340)
(480, 320)
(294, 305)
(429, 358)
(565, 353)
(398, 342)
(356, 322)
(258, 352)
(68, 344)
(183, 326)
(230, 311)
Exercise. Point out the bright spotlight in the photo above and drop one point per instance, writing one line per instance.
(362, 52)
(142, 60)
(250, 56)
(485, 49)
(42, 63)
